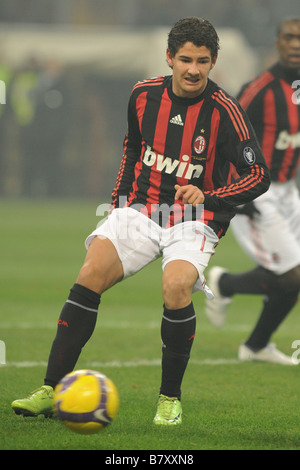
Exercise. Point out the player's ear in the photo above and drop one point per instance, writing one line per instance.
(169, 58)
(213, 62)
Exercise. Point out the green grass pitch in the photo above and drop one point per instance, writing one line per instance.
(226, 404)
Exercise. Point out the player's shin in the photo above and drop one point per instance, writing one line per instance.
(177, 333)
(74, 328)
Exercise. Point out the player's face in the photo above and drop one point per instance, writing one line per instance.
(191, 66)
(288, 44)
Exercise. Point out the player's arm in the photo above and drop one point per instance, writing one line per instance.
(253, 182)
(131, 153)
(244, 152)
(253, 98)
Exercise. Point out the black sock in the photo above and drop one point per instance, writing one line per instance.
(276, 308)
(74, 328)
(256, 281)
(177, 333)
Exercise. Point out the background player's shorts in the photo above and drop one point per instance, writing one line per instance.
(139, 241)
(272, 239)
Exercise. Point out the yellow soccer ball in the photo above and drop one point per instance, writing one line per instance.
(86, 401)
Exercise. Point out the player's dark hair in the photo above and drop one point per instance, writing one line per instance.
(291, 19)
(196, 30)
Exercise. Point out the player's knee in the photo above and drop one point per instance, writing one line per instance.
(290, 281)
(176, 291)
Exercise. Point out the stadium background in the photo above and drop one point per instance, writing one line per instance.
(68, 68)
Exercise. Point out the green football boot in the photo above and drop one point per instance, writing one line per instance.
(38, 402)
(169, 411)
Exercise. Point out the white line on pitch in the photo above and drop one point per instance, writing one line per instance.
(118, 325)
(145, 362)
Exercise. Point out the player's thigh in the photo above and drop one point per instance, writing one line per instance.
(290, 280)
(268, 241)
(291, 210)
(102, 267)
(193, 243)
(134, 238)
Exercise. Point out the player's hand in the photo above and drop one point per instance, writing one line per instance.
(189, 194)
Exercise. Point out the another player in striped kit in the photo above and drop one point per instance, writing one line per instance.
(269, 229)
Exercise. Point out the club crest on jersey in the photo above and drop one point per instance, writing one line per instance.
(199, 144)
(249, 155)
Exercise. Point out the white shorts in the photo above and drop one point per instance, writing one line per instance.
(139, 241)
(272, 239)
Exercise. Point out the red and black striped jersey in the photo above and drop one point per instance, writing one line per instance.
(274, 111)
(200, 141)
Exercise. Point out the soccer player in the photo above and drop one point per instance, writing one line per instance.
(173, 198)
(269, 229)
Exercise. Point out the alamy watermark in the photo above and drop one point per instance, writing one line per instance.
(2, 353)
(2, 92)
(296, 345)
(161, 215)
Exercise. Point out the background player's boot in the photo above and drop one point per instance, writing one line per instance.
(216, 309)
(268, 354)
(38, 402)
(169, 411)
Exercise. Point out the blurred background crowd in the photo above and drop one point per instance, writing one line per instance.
(67, 68)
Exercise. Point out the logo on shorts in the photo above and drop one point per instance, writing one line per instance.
(249, 155)
(276, 257)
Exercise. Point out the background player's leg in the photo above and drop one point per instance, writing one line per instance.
(256, 281)
(276, 308)
(277, 305)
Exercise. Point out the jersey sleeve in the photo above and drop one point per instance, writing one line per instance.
(238, 147)
(131, 153)
(253, 104)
